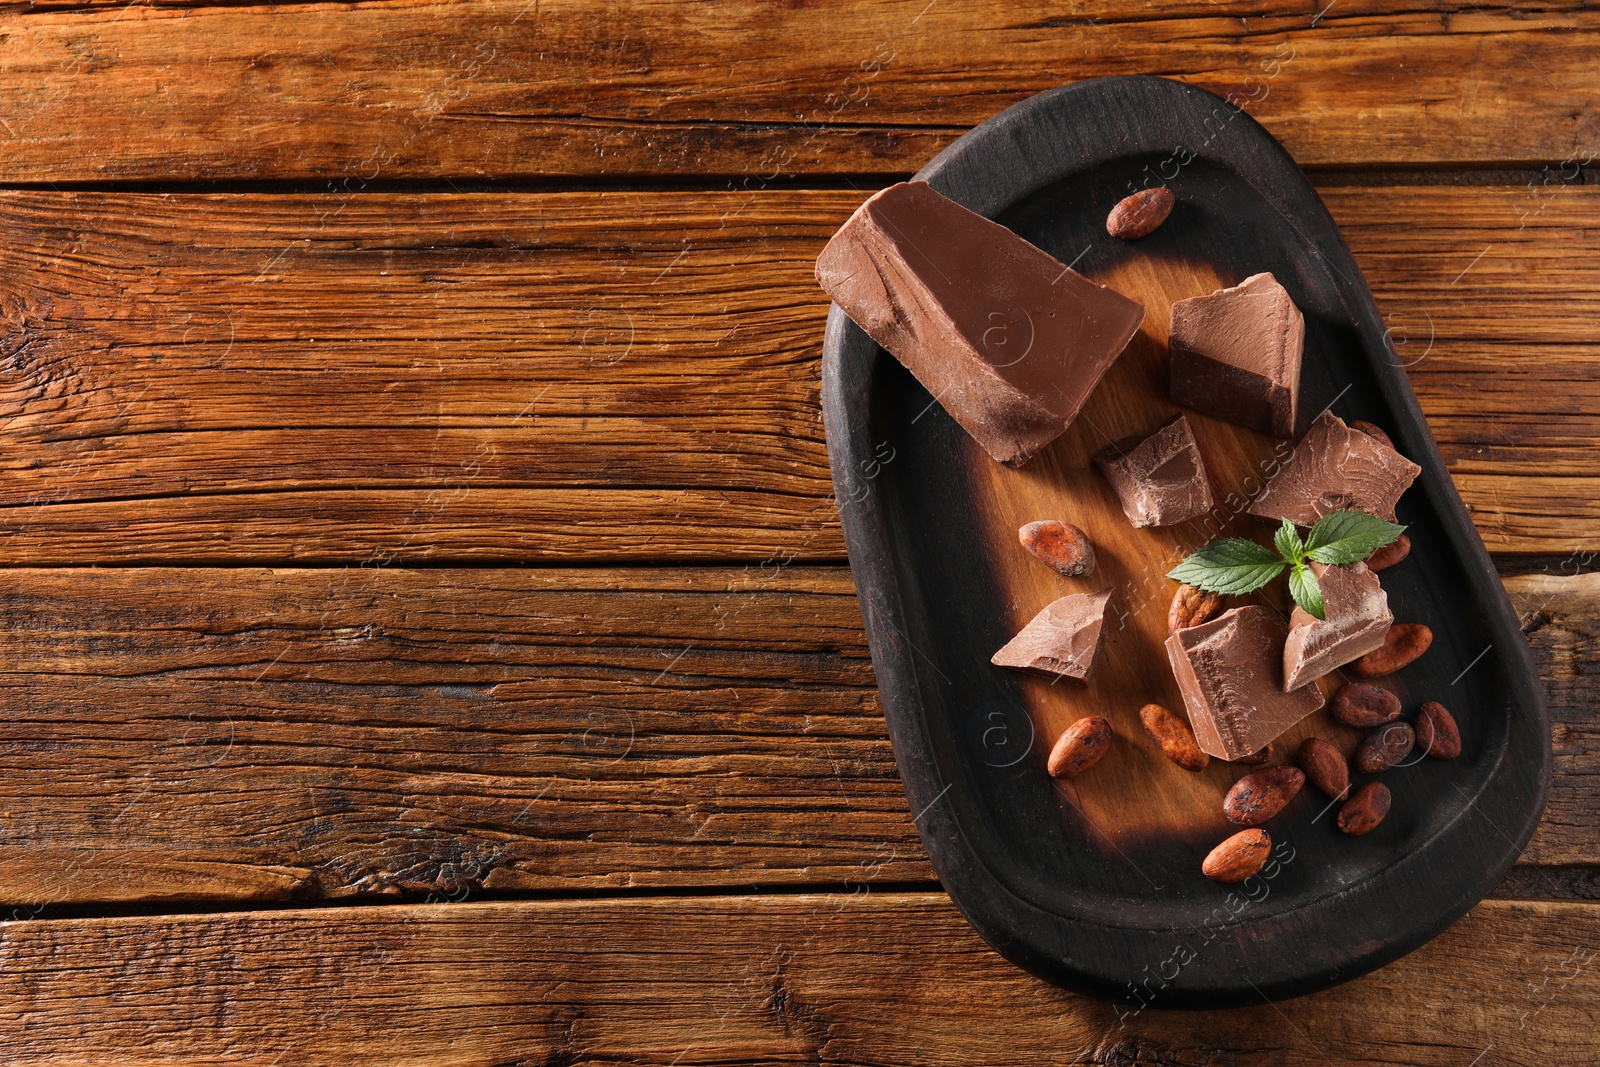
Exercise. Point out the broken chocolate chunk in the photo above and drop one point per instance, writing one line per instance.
(1358, 616)
(1159, 476)
(1061, 641)
(1236, 355)
(1334, 468)
(1230, 671)
(1008, 339)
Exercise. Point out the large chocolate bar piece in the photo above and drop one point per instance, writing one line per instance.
(1230, 671)
(1236, 355)
(1010, 340)
(1333, 468)
(1061, 641)
(1358, 617)
(1159, 476)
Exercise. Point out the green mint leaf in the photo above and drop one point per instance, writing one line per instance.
(1287, 538)
(1305, 589)
(1341, 537)
(1230, 566)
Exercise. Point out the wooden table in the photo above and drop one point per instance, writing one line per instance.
(426, 631)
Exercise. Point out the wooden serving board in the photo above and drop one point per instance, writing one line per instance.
(1096, 882)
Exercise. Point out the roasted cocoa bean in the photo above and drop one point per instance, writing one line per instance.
(1365, 809)
(1437, 733)
(1384, 747)
(1390, 554)
(1403, 643)
(1080, 747)
(1325, 767)
(1139, 214)
(1061, 545)
(1192, 606)
(1364, 706)
(1239, 857)
(1174, 736)
(1259, 796)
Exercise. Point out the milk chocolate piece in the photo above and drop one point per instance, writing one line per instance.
(1062, 641)
(1236, 354)
(1159, 476)
(1358, 616)
(1334, 468)
(1007, 338)
(1230, 671)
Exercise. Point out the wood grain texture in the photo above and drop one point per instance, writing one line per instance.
(240, 733)
(1561, 615)
(355, 93)
(246, 734)
(594, 376)
(832, 979)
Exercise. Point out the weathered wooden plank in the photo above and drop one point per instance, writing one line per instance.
(1487, 263)
(1561, 615)
(371, 730)
(249, 734)
(506, 377)
(357, 93)
(838, 979)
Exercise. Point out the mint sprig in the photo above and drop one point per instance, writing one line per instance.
(1349, 536)
(1233, 565)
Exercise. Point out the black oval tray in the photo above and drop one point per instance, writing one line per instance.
(1132, 918)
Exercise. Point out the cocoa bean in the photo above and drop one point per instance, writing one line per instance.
(1364, 706)
(1403, 643)
(1259, 796)
(1080, 747)
(1437, 732)
(1365, 809)
(1139, 214)
(1059, 544)
(1192, 606)
(1390, 554)
(1239, 857)
(1384, 747)
(1325, 767)
(1174, 736)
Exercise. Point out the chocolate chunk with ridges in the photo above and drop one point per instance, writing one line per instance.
(1236, 355)
(1158, 476)
(1371, 429)
(1230, 671)
(1358, 617)
(1334, 468)
(1061, 641)
(1008, 339)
